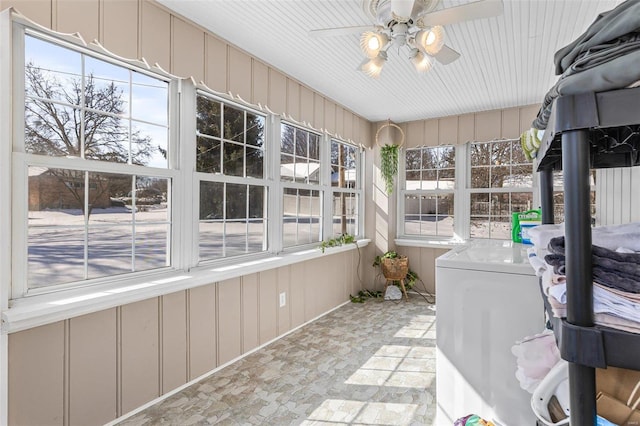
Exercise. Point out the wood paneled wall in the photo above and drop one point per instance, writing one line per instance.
(94, 368)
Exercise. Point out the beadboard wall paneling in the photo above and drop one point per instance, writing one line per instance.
(617, 196)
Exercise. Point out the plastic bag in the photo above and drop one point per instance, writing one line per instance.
(473, 420)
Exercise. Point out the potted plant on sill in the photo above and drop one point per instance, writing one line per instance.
(395, 269)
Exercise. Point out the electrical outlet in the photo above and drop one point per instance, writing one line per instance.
(283, 299)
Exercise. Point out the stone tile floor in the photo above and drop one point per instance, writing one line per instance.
(362, 364)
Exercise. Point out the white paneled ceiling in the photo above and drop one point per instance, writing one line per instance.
(505, 61)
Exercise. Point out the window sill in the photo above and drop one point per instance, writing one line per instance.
(441, 244)
(35, 311)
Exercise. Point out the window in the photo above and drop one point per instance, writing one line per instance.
(428, 195)
(96, 156)
(300, 175)
(230, 153)
(110, 187)
(345, 182)
(500, 183)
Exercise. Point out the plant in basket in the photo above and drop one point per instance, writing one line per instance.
(395, 269)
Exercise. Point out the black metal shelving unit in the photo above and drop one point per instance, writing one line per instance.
(592, 130)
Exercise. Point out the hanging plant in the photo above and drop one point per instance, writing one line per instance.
(389, 154)
(389, 165)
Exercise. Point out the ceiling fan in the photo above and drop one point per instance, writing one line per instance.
(412, 24)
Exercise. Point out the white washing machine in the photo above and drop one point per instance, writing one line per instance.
(487, 298)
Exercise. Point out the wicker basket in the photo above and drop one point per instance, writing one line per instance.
(395, 268)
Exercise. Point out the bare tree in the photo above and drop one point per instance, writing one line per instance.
(81, 118)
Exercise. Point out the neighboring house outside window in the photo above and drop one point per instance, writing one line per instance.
(230, 166)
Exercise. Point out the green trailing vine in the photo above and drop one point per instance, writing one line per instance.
(366, 294)
(389, 165)
(337, 241)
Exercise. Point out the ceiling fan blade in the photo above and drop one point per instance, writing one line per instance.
(475, 10)
(402, 9)
(446, 55)
(340, 31)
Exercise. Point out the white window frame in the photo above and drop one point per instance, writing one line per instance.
(403, 192)
(504, 190)
(199, 177)
(462, 199)
(357, 190)
(21, 160)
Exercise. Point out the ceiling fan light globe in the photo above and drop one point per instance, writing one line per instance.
(422, 62)
(373, 66)
(430, 40)
(372, 43)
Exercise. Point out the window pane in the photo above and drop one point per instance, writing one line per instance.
(52, 72)
(257, 235)
(235, 238)
(233, 159)
(236, 201)
(149, 145)
(446, 178)
(107, 138)
(521, 176)
(107, 195)
(211, 200)
(500, 176)
(55, 253)
(151, 197)
(480, 177)
(255, 163)
(255, 130)
(301, 143)
(412, 180)
(479, 227)
(106, 87)
(52, 129)
(500, 227)
(314, 146)
(233, 127)
(287, 167)
(446, 157)
(208, 117)
(500, 153)
(500, 205)
(287, 143)
(345, 213)
(256, 201)
(150, 99)
(211, 238)
(479, 204)
(480, 154)
(110, 249)
(429, 179)
(208, 155)
(412, 159)
(521, 201)
(301, 216)
(151, 246)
